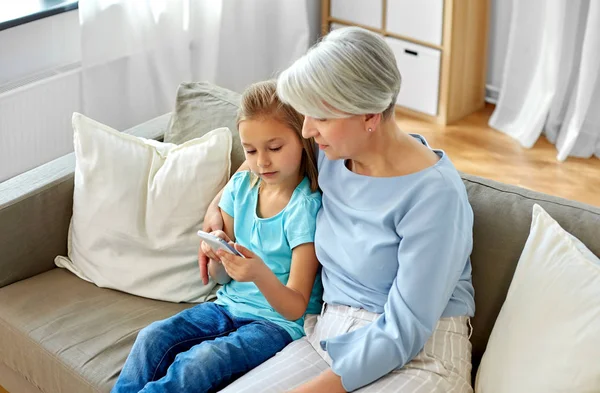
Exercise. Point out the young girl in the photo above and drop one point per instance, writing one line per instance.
(270, 210)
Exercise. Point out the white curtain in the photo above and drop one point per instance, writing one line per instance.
(551, 80)
(136, 52)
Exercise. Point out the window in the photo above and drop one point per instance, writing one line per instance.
(18, 12)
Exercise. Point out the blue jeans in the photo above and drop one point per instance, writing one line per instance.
(201, 349)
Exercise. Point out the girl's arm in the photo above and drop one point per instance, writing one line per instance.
(288, 300)
(292, 299)
(228, 226)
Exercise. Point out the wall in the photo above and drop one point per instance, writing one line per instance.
(500, 12)
(314, 11)
(39, 45)
(36, 102)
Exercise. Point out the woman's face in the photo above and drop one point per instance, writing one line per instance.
(338, 138)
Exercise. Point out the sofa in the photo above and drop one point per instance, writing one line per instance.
(59, 333)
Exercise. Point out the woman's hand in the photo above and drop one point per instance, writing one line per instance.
(248, 269)
(327, 381)
(213, 221)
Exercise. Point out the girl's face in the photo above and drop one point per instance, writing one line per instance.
(338, 138)
(273, 150)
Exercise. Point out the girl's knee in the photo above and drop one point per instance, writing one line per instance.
(186, 364)
(154, 331)
(207, 354)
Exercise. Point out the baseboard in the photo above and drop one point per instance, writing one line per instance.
(491, 94)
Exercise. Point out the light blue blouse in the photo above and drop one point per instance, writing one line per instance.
(398, 246)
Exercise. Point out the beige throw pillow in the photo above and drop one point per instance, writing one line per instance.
(547, 335)
(137, 206)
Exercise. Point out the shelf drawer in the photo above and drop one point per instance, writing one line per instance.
(363, 12)
(420, 70)
(421, 20)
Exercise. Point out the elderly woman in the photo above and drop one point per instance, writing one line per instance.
(394, 236)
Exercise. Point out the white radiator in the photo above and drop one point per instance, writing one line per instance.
(35, 118)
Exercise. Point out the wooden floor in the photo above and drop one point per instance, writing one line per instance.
(477, 149)
(2, 390)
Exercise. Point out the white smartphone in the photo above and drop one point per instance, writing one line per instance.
(216, 243)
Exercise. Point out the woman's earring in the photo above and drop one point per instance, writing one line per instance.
(370, 130)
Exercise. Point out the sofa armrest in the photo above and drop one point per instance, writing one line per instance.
(36, 209)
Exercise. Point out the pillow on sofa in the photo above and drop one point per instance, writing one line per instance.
(201, 107)
(137, 206)
(547, 335)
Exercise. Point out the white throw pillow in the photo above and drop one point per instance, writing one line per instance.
(137, 206)
(547, 335)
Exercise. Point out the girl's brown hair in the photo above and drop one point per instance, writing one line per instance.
(260, 100)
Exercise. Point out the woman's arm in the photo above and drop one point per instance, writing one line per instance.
(216, 270)
(288, 300)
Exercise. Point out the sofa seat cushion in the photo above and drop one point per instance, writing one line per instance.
(67, 335)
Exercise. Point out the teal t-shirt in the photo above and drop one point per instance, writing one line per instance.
(273, 240)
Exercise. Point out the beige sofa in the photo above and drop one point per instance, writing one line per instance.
(59, 333)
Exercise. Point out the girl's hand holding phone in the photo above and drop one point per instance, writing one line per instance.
(249, 268)
(209, 251)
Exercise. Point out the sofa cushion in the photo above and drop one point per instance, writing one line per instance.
(201, 107)
(501, 227)
(66, 335)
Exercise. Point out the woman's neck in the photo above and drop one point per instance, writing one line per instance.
(391, 152)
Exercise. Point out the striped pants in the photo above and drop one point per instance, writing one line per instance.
(444, 364)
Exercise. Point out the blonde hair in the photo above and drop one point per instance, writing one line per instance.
(260, 100)
(351, 71)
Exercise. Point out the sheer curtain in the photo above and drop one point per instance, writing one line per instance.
(135, 53)
(551, 79)
(237, 42)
